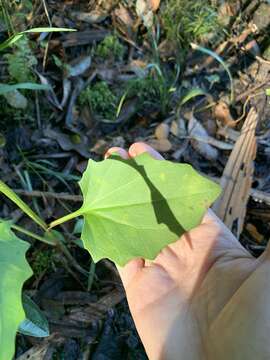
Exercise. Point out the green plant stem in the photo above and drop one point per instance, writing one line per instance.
(9, 193)
(34, 236)
(66, 218)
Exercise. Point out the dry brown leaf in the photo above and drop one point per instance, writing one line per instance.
(252, 47)
(178, 128)
(174, 128)
(154, 4)
(226, 10)
(237, 177)
(200, 139)
(222, 113)
(162, 131)
(93, 17)
(100, 147)
(124, 16)
(162, 145)
(254, 232)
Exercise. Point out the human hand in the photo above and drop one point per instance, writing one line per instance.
(203, 297)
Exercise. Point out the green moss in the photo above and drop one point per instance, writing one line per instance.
(42, 261)
(100, 98)
(110, 47)
(21, 62)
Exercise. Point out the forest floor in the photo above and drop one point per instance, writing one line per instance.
(192, 79)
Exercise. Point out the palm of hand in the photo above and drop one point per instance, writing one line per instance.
(196, 300)
(177, 297)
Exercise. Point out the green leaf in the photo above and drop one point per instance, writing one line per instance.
(48, 30)
(267, 92)
(134, 208)
(14, 271)
(35, 323)
(16, 37)
(9, 193)
(191, 94)
(5, 88)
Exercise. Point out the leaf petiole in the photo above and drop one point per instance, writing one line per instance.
(66, 218)
(48, 241)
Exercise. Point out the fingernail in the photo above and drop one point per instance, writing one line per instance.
(140, 148)
(119, 151)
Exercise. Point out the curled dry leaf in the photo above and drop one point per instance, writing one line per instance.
(162, 131)
(154, 4)
(79, 66)
(145, 12)
(92, 17)
(124, 16)
(237, 177)
(162, 145)
(178, 128)
(254, 232)
(200, 139)
(222, 113)
(174, 128)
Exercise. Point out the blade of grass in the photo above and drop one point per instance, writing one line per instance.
(220, 60)
(5, 88)
(191, 94)
(13, 39)
(9, 193)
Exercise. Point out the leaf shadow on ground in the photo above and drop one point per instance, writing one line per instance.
(164, 214)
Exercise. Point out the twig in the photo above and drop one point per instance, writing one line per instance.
(257, 195)
(47, 12)
(46, 194)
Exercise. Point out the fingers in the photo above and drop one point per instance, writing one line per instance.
(123, 153)
(139, 148)
(130, 270)
(134, 150)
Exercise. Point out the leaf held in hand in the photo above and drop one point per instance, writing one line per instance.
(134, 208)
(14, 272)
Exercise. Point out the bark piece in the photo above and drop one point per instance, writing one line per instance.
(237, 177)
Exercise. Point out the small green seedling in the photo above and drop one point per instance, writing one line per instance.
(110, 48)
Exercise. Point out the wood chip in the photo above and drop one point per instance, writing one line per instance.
(237, 177)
